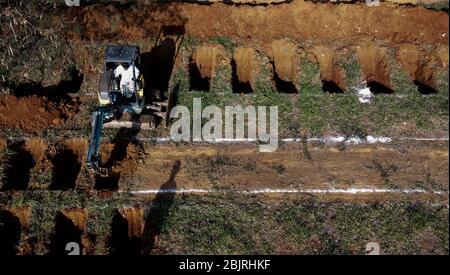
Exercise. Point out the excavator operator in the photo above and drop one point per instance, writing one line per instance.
(127, 79)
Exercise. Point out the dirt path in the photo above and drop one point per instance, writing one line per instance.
(296, 166)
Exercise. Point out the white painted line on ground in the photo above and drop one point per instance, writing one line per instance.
(128, 124)
(424, 139)
(351, 191)
(311, 95)
(328, 139)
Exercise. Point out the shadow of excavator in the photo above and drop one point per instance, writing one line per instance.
(158, 64)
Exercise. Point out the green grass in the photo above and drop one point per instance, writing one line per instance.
(403, 85)
(352, 71)
(242, 224)
(335, 112)
(228, 43)
(237, 225)
(439, 6)
(191, 42)
(309, 82)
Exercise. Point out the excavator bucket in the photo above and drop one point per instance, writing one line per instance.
(103, 172)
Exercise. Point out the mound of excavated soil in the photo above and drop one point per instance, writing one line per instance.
(31, 114)
(310, 23)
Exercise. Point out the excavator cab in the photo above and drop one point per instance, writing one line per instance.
(110, 92)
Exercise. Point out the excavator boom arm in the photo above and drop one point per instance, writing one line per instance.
(93, 160)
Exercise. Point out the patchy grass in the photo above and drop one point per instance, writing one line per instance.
(265, 95)
(320, 113)
(250, 225)
(403, 85)
(228, 43)
(352, 71)
(279, 168)
(46, 204)
(437, 6)
(244, 224)
(309, 81)
(386, 170)
(217, 166)
(191, 42)
(33, 47)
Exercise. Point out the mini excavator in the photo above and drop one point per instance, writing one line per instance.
(117, 103)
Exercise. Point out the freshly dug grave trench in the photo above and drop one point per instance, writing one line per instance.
(157, 65)
(13, 221)
(123, 156)
(245, 67)
(283, 56)
(70, 225)
(332, 76)
(375, 68)
(127, 229)
(27, 162)
(19, 167)
(203, 66)
(67, 164)
(10, 233)
(34, 164)
(30, 114)
(422, 67)
(196, 81)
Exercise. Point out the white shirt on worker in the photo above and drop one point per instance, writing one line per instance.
(127, 76)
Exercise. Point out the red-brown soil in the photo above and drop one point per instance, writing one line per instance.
(306, 22)
(135, 220)
(283, 55)
(77, 216)
(247, 65)
(206, 59)
(30, 114)
(329, 71)
(23, 214)
(242, 167)
(374, 64)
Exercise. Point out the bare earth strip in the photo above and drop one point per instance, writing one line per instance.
(399, 166)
